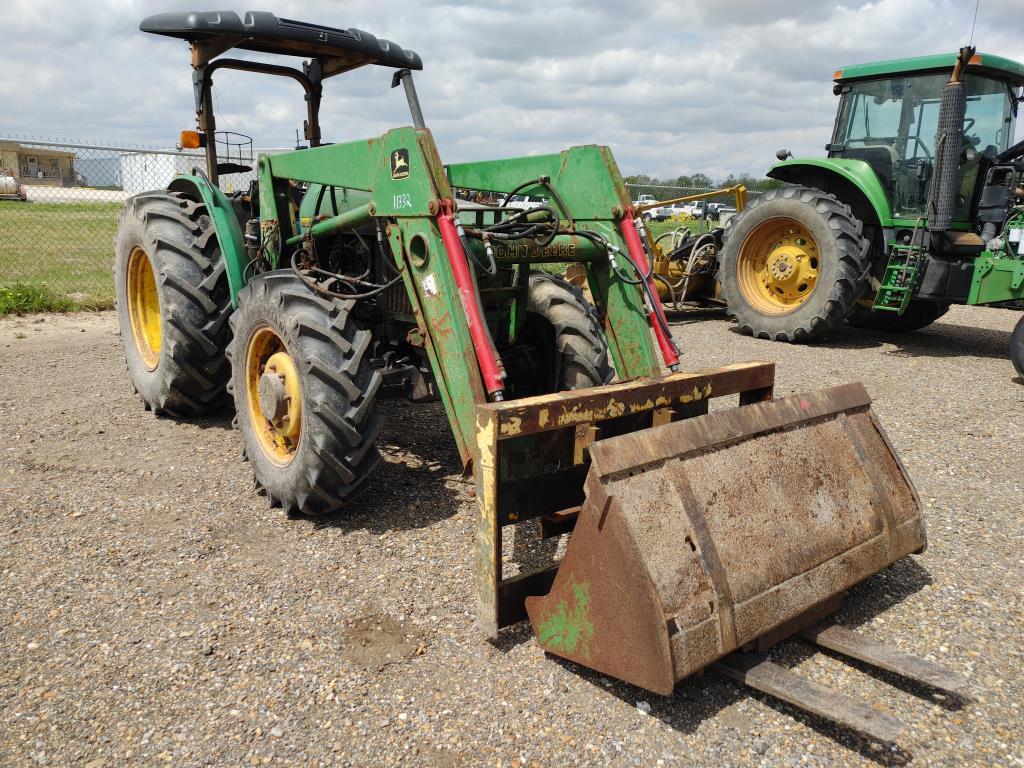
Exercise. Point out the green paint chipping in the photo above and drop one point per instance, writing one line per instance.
(569, 631)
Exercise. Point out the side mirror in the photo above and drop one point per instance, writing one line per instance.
(783, 154)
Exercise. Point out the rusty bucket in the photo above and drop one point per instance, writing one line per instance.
(699, 536)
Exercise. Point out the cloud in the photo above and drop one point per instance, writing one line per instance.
(672, 86)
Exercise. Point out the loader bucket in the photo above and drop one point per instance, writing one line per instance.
(697, 533)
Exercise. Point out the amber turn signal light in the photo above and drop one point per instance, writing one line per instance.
(191, 140)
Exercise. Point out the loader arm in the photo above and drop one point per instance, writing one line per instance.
(589, 183)
(411, 203)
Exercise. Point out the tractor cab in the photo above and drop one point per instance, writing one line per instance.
(889, 118)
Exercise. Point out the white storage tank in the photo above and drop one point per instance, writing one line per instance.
(142, 171)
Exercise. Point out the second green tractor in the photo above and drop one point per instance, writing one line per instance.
(919, 205)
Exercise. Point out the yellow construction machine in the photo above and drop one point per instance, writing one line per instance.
(685, 257)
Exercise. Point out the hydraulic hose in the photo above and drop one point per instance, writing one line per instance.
(695, 253)
(643, 279)
(518, 227)
(543, 181)
(350, 281)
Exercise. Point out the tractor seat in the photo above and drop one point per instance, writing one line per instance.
(881, 160)
(952, 243)
(226, 168)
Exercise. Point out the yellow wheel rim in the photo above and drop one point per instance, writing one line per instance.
(778, 266)
(144, 307)
(274, 396)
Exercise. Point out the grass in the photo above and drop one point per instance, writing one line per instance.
(658, 228)
(20, 299)
(56, 256)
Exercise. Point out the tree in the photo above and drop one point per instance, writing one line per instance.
(701, 180)
(642, 179)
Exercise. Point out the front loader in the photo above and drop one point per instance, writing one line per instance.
(350, 272)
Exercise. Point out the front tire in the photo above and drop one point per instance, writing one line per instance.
(305, 394)
(172, 304)
(794, 265)
(562, 345)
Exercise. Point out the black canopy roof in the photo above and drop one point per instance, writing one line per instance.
(264, 32)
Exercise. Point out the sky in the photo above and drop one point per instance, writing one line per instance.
(674, 88)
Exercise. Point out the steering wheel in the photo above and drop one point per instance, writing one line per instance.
(875, 141)
(923, 146)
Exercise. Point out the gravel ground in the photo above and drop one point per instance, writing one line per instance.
(153, 611)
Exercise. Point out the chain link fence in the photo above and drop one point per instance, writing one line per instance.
(59, 203)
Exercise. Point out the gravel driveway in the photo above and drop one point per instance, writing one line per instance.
(154, 611)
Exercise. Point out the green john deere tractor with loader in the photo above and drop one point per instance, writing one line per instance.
(919, 205)
(349, 272)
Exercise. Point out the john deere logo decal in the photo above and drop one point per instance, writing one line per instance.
(400, 164)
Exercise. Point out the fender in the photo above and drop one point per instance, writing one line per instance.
(225, 224)
(817, 171)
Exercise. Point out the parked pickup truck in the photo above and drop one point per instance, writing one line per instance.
(696, 208)
(668, 211)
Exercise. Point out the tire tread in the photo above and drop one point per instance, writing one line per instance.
(192, 284)
(847, 288)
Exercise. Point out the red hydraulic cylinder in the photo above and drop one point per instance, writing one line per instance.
(486, 356)
(669, 353)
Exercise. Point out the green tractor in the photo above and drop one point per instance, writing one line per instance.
(917, 206)
(351, 272)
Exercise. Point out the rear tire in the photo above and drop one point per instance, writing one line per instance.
(918, 315)
(794, 264)
(1017, 347)
(315, 462)
(562, 345)
(172, 303)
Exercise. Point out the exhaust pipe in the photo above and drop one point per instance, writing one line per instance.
(948, 147)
